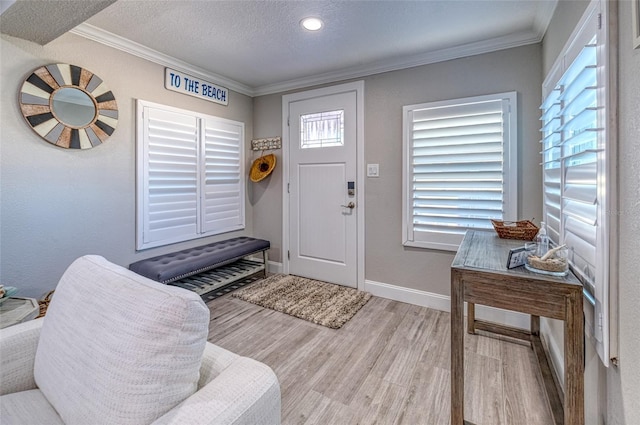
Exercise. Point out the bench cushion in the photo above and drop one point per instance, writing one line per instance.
(176, 265)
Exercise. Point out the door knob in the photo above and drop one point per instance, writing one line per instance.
(350, 205)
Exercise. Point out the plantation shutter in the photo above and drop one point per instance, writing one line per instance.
(570, 151)
(574, 152)
(457, 179)
(171, 171)
(190, 175)
(222, 180)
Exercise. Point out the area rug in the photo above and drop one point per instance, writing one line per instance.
(319, 302)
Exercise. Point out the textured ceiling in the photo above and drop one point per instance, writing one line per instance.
(44, 21)
(261, 46)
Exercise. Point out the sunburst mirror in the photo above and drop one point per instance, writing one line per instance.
(68, 106)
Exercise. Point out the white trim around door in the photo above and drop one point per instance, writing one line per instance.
(358, 88)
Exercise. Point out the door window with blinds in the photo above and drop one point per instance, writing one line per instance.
(576, 177)
(190, 172)
(459, 168)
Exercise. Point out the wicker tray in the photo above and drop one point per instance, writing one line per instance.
(524, 229)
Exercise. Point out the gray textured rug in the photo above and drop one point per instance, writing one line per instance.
(319, 302)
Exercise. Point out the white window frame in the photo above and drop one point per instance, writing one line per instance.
(449, 240)
(597, 283)
(210, 185)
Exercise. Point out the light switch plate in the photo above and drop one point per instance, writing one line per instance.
(373, 170)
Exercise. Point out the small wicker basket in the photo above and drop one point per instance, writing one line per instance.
(524, 229)
(44, 303)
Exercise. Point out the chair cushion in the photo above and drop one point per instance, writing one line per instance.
(116, 347)
(27, 407)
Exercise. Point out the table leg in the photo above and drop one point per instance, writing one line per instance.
(471, 318)
(535, 325)
(574, 361)
(457, 349)
(265, 259)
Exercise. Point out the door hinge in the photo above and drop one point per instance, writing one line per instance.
(599, 21)
(288, 123)
(288, 187)
(288, 255)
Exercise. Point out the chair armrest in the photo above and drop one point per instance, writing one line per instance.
(247, 392)
(18, 346)
(215, 359)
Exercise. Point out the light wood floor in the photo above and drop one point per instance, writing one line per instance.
(387, 365)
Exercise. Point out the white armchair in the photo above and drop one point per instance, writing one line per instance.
(117, 348)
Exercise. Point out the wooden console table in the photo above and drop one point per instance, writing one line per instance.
(16, 310)
(479, 276)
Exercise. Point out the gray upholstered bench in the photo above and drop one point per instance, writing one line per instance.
(207, 268)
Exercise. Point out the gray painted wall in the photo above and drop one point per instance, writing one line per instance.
(59, 204)
(266, 195)
(386, 260)
(623, 382)
(565, 17)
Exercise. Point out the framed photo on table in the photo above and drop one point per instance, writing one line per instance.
(517, 257)
(635, 20)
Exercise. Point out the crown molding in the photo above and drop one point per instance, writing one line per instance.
(471, 49)
(544, 15)
(112, 40)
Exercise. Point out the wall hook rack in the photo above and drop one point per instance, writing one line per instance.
(266, 144)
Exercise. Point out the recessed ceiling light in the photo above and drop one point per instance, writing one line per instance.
(311, 24)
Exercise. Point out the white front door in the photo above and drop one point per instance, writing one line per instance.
(323, 187)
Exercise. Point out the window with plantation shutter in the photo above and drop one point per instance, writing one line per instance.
(459, 168)
(576, 177)
(222, 180)
(189, 175)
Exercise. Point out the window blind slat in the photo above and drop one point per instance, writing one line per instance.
(581, 141)
(423, 173)
(471, 158)
(459, 150)
(454, 140)
(586, 57)
(457, 110)
(582, 248)
(585, 99)
(444, 132)
(452, 222)
(475, 213)
(460, 168)
(467, 204)
(586, 81)
(579, 123)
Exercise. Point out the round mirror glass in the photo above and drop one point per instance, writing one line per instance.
(73, 107)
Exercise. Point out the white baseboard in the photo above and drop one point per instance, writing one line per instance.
(443, 303)
(551, 343)
(274, 267)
